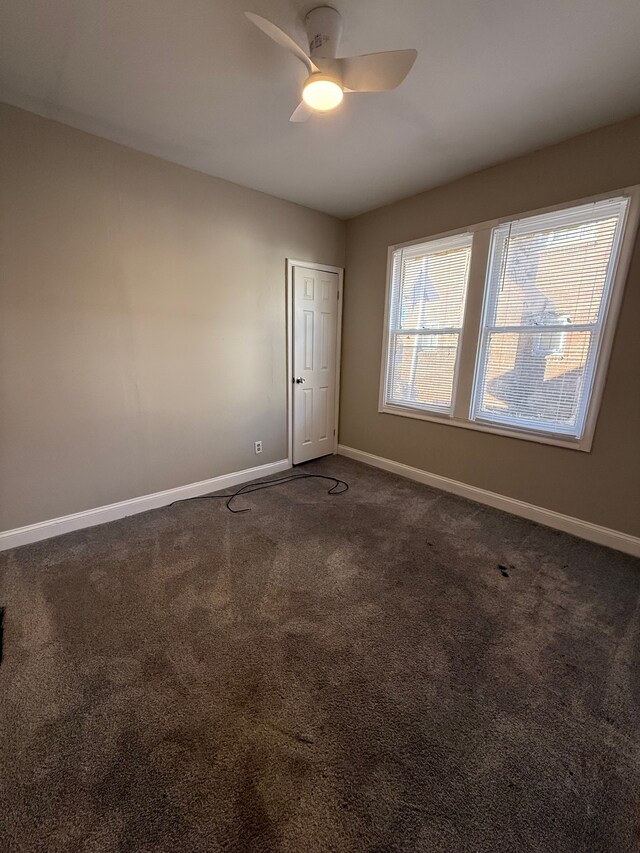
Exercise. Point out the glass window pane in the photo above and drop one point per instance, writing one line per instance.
(555, 276)
(433, 289)
(423, 370)
(534, 378)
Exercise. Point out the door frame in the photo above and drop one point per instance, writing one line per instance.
(291, 263)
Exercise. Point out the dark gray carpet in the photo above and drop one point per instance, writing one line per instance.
(321, 674)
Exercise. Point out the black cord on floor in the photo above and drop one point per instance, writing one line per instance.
(265, 484)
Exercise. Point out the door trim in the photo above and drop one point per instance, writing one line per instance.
(291, 263)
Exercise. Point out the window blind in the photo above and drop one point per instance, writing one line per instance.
(546, 297)
(428, 290)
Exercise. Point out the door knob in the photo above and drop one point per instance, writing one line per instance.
(299, 380)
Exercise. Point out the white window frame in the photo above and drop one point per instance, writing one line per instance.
(468, 348)
(465, 236)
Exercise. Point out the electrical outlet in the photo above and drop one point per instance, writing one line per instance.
(258, 446)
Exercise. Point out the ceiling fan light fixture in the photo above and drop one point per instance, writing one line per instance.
(321, 93)
(330, 75)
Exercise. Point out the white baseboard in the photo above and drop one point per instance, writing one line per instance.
(584, 529)
(90, 517)
(102, 514)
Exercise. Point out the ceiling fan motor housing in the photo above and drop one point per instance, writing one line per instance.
(324, 28)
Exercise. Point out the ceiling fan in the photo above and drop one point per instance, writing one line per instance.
(329, 76)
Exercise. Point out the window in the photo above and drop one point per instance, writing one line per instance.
(527, 356)
(427, 309)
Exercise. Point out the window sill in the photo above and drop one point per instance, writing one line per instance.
(583, 444)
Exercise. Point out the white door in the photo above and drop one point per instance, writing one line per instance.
(315, 327)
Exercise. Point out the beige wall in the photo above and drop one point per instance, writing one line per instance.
(142, 313)
(142, 320)
(603, 486)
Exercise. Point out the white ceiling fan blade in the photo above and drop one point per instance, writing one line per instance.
(301, 113)
(376, 72)
(282, 39)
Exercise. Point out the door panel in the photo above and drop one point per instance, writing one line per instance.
(323, 413)
(315, 327)
(307, 416)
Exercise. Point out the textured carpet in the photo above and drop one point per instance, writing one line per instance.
(352, 673)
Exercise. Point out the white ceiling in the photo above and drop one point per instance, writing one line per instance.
(195, 82)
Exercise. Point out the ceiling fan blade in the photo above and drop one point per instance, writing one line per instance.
(301, 113)
(376, 72)
(282, 39)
